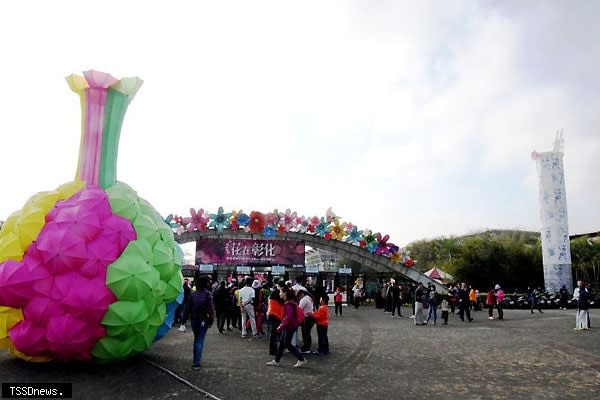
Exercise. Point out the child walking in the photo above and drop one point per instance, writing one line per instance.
(321, 317)
(445, 310)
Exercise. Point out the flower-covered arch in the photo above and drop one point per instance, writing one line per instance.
(271, 224)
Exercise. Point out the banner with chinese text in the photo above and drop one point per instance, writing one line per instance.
(236, 251)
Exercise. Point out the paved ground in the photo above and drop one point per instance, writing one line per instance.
(373, 356)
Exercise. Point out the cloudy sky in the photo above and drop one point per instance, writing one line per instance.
(415, 119)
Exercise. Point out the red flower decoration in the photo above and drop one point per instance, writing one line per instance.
(409, 263)
(327, 236)
(281, 229)
(257, 222)
(362, 243)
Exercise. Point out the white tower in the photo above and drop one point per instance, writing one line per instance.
(556, 247)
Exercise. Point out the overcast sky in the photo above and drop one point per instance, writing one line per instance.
(415, 119)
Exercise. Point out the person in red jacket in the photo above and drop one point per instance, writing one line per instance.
(321, 317)
(287, 328)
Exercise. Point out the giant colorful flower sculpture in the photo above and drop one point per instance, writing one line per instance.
(88, 270)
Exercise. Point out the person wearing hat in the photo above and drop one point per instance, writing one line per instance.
(499, 300)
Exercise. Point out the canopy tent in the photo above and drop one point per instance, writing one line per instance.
(439, 275)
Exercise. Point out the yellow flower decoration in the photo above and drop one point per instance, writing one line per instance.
(337, 231)
(396, 258)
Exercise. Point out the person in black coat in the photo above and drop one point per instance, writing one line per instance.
(463, 303)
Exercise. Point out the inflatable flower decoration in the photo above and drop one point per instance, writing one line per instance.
(89, 271)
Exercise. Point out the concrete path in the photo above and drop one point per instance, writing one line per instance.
(525, 356)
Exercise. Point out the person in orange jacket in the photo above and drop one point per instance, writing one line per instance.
(321, 317)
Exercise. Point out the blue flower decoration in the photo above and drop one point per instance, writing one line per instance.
(220, 220)
(355, 236)
(169, 221)
(269, 231)
(243, 220)
(322, 228)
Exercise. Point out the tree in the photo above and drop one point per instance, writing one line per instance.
(585, 256)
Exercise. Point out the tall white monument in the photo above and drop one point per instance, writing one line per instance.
(556, 247)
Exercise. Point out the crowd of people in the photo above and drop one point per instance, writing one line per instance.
(288, 313)
(425, 301)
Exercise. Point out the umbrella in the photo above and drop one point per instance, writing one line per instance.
(29, 338)
(138, 248)
(123, 315)
(162, 254)
(15, 283)
(119, 230)
(158, 315)
(69, 337)
(89, 300)
(167, 270)
(40, 308)
(94, 199)
(158, 292)
(30, 224)
(111, 348)
(80, 221)
(10, 246)
(44, 200)
(123, 200)
(174, 287)
(143, 340)
(130, 277)
(61, 251)
(146, 228)
(101, 252)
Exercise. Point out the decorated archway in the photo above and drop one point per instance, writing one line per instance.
(327, 232)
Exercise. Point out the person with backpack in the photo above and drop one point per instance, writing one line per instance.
(291, 318)
(201, 314)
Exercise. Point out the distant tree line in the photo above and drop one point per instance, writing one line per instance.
(511, 258)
